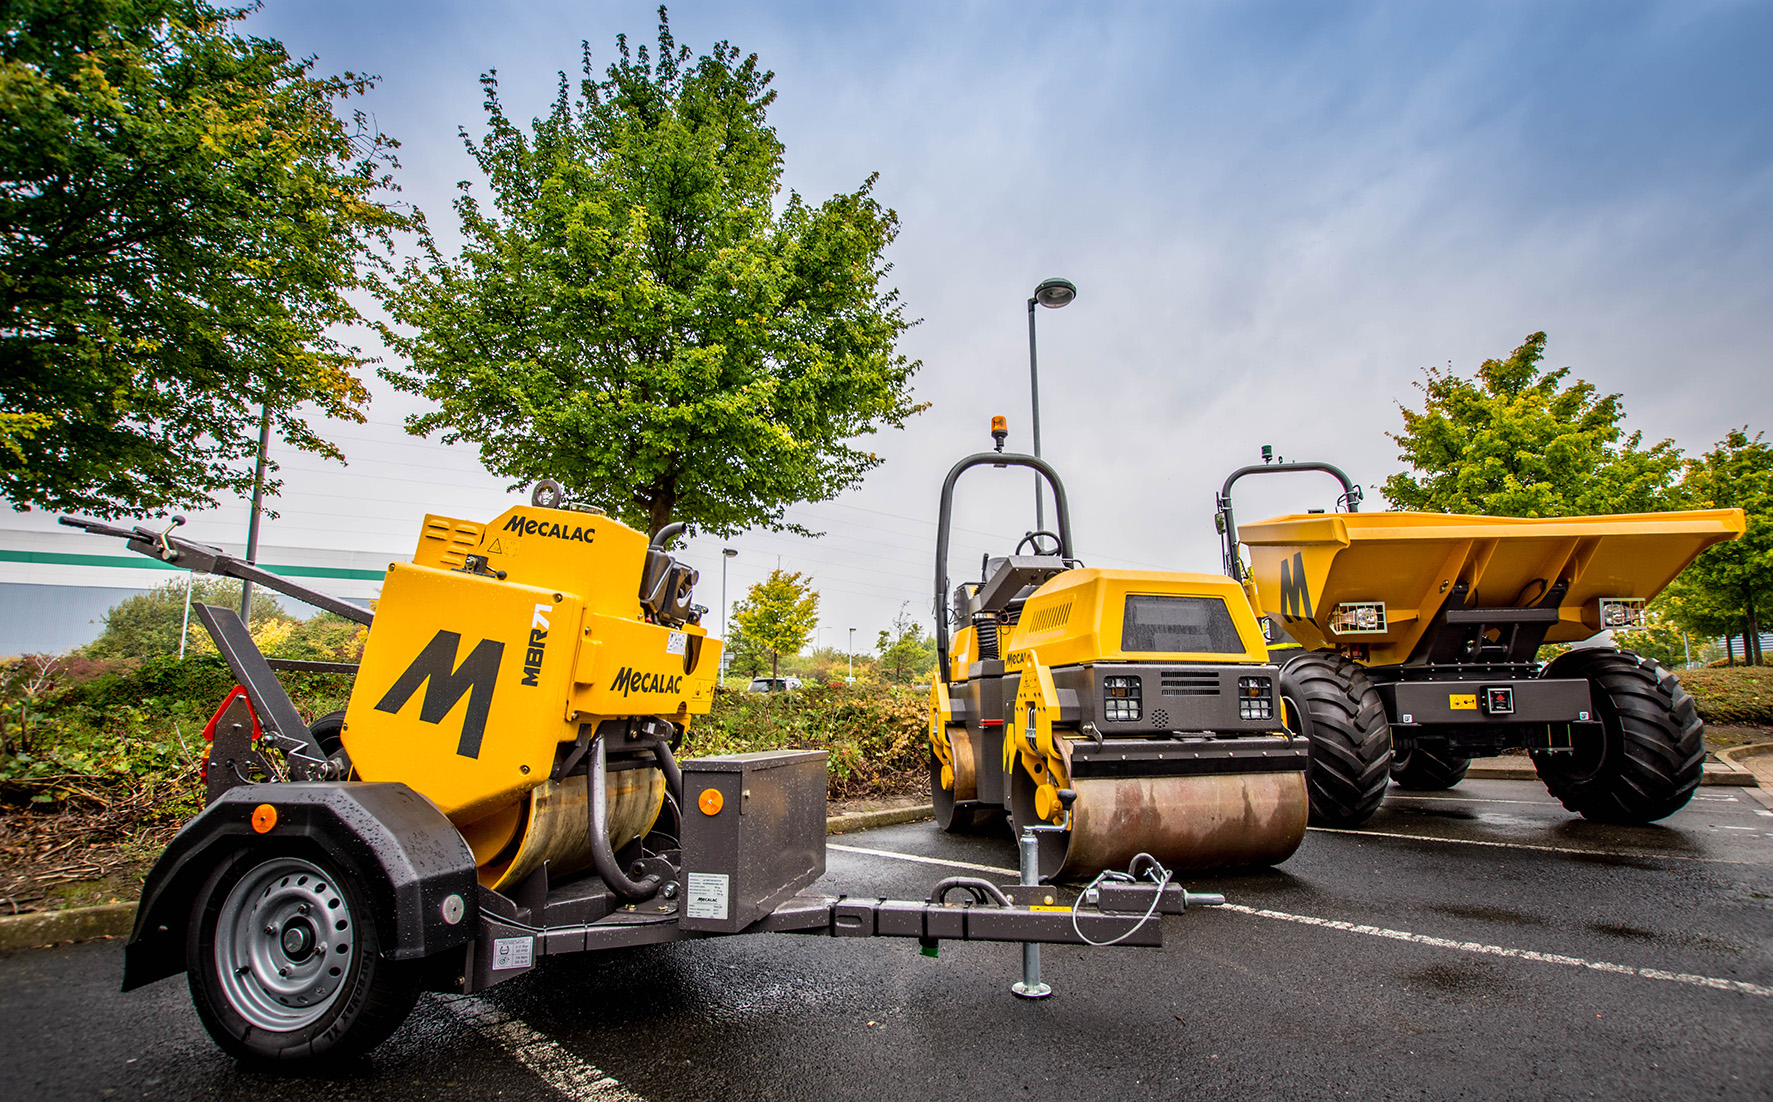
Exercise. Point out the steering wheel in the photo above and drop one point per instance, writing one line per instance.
(1033, 541)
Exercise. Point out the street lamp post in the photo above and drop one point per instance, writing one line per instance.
(1052, 293)
(726, 554)
(852, 677)
(258, 498)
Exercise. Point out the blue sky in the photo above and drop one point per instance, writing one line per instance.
(1277, 214)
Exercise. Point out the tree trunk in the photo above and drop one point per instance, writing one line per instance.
(1730, 650)
(775, 664)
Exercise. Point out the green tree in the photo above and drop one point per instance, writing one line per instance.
(181, 217)
(744, 655)
(1725, 591)
(778, 614)
(635, 318)
(1515, 441)
(906, 653)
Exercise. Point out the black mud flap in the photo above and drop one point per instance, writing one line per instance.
(412, 861)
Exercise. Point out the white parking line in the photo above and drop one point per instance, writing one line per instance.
(552, 1064)
(921, 860)
(1390, 796)
(1401, 935)
(1504, 951)
(1541, 849)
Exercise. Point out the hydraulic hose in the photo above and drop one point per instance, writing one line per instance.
(632, 891)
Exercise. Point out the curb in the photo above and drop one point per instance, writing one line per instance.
(1726, 772)
(867, 820)
(1735, 756)
(43, 928)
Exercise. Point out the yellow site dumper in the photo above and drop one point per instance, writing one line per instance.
(1420, 634)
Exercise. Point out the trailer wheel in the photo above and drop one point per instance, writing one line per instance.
(1422, 771)
(285, 964)
(1332, 703)
(1649, 756)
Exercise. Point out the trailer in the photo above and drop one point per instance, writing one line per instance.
(502, 788)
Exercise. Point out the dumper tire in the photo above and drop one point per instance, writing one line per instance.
(1650, 755)
(239, 943)
(1421, 770)
(1334, 705)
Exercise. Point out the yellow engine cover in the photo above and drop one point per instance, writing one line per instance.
(469, 682)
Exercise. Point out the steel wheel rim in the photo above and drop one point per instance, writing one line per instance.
(284, 945)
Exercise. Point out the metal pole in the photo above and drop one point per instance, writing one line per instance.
(1034, 396)
(1029, 986)
(852, 677)
(258, 495)
(185, 628)
(1689, 647)
(726, 655)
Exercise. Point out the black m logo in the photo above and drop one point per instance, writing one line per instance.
(1295, 594)
(445, 684)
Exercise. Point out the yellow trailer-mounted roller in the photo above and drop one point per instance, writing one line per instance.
(1109, 712)
(1421, 633)
(501, 787)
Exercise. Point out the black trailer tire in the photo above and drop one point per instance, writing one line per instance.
(1333, 704)
(1422, 771)
(273, 986)
(1650, 755)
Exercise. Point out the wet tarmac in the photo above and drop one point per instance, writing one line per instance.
(1477, 943)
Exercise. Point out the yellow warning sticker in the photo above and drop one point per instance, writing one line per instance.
(1044, 907)
(500, 547)
(1463, 702)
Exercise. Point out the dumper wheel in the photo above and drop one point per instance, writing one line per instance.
(1650, 753)
(1332, 703)
(285, 964)
(1424, 771)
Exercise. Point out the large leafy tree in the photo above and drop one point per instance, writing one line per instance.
(637, 316)
(1516, 440)
(778, 614)
(182, 212)
(1730, 587)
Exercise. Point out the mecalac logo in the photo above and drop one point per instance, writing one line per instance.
(538, 644)
(446, 683)
(528, 526)
(633, 681)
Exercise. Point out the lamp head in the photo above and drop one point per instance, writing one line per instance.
(729, 552)
(1054, 293)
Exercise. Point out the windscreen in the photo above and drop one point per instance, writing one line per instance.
(1194, 625)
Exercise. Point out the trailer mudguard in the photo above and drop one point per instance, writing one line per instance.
(409, 859)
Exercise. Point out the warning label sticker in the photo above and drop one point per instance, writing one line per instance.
(1466, 702)
(707, 895)
(513, 952)
(676, 642)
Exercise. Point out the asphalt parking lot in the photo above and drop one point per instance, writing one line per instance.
(1477, 943)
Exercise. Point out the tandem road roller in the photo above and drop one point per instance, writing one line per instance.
(1115, 712)
(1421, 633)
(501, 788)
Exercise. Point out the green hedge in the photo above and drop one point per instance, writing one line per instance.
(126, 727)
(874, 733)
(1740, 695)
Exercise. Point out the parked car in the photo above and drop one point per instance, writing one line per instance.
(773, 684)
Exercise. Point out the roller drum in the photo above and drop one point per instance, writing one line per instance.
(557, 828)
(1207, 821)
